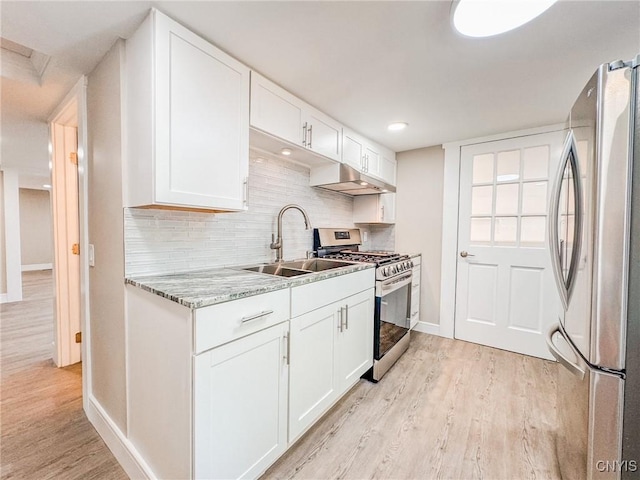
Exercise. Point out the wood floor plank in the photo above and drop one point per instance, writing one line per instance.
(45, 433)
(447, 410)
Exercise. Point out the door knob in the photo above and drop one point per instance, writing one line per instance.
(465, 254)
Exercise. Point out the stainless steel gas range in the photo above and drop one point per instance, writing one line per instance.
(392, 315)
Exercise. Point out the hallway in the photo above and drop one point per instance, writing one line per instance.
(45, 433)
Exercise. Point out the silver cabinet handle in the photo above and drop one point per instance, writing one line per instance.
(304, 134)
(465, 254)
(382, 213)
(310, 136)
(363, 163)
(245, 200)
(340, 319)
(287, 347)
(346, 310)
(256, 316)
(564, 361)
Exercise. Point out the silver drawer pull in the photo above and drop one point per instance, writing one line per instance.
(256, 316)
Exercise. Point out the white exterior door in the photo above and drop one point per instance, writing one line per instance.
(505, 294)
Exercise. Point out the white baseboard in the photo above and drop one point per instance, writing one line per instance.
(124, 451)
(3, 298)
(37, 266)
(430, 328)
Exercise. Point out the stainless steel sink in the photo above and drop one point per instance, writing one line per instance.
(298, 267)
(316, 264)
(277, 269)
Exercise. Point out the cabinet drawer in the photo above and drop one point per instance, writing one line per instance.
(228, 321)
(311, 296)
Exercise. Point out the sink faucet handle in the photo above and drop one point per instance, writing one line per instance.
(275, 244)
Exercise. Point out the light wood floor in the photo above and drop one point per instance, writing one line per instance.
(45, 433)
(447, 410)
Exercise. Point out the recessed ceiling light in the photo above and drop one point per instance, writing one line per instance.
(286, 151)
(46, 186)
(364, 184)
(484, 18)
(394, 127)
(384, 190)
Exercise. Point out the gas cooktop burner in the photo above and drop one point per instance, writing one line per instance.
(379, 258)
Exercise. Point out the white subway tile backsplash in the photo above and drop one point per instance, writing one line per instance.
(160, 241)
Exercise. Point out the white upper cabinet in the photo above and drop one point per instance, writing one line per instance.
(353, 149)
(275, 110)
(368, 157)
(375, 208)
(280, 114)
(388, 167)
(187, 120)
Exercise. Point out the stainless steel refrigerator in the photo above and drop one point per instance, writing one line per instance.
(594, 226)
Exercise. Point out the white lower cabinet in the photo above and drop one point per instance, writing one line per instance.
(313, 383)
(221, 392)
(240, 405)
(331, 348)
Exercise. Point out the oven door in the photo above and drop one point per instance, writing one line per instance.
(392, 313)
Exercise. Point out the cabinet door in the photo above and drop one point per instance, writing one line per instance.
(355, 341)
(387, 208)
(388, 167)
(352, 149)
(324, 134)
(372, 161)
(275, 111)
(312, 380)
(202, 121)
(240, 405)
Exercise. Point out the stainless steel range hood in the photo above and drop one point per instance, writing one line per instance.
(342, 178)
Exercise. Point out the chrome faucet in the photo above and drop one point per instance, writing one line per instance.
(276, 244)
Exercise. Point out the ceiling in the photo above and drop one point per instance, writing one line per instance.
(364, 63)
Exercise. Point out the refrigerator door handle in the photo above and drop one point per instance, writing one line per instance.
(564, 361)
(568, 159)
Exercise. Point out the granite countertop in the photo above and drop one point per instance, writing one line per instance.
(197, 289)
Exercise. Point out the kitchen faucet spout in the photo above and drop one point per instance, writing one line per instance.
(276, 244)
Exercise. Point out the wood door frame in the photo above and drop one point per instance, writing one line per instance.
(451, 203)
(78, 97)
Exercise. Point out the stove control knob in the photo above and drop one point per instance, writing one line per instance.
(394, 269)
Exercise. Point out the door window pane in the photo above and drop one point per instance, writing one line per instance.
(507, 199)
(536, 162)
(483, 168)
(505, 230)
(533, 231)
(508, 166)
(534, 198)
(480, 230)
(481, 200)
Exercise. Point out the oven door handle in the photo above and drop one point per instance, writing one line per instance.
(396, 283)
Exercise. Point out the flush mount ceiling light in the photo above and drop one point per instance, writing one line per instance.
(484, 18)
(397, 126)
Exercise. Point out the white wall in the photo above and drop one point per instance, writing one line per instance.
(419, 220)
(106, 286)
(36, 238)
(25, 145)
